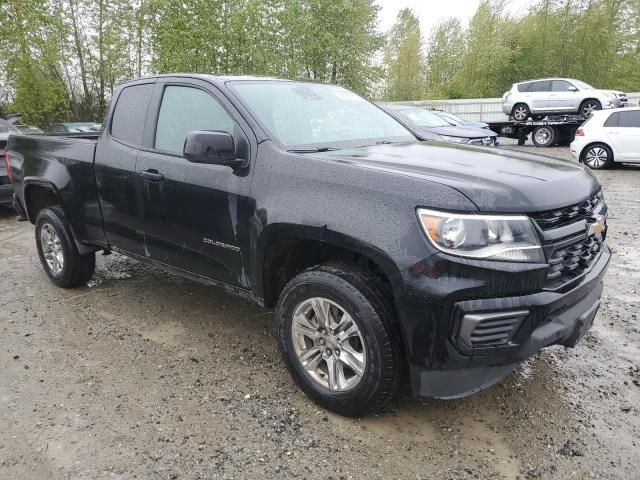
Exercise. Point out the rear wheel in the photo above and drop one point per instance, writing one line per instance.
(520, 112)
(544, 136)
(598, 156)
(339, 340)
(588, 106)
(58, 252)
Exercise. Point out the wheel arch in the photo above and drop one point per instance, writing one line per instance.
(39, 193)
(284, 250)
(517, 104)
(594, 143)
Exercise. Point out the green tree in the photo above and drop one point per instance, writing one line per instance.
(444, 59)
(403, 59)
(28, 45)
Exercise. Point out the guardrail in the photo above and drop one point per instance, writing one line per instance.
(480, 109)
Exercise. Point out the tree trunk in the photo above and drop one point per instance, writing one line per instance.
(78, 45)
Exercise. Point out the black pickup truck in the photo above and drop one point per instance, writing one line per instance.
(384, 257)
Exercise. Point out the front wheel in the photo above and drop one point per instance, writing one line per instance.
(58, 252)
(339, 340)
(589, 106)
(598, 157)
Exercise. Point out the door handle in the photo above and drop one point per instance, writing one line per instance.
(152, 175)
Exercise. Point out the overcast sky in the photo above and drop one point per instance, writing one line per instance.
(430, 12)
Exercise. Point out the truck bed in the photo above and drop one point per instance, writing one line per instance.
(65, 164)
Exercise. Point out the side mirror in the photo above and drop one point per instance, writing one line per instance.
(214, 148)
(573, 89)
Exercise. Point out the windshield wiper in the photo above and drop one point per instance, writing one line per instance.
(313, 150)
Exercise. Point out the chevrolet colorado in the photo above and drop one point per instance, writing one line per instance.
(384, 257)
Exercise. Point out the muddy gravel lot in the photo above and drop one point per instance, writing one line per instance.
(142, 374)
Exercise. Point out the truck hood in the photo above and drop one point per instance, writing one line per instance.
(495, 180)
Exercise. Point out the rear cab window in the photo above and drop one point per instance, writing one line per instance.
(130, 112)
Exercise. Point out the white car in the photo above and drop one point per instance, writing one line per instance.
(608, 136)
(536, 98)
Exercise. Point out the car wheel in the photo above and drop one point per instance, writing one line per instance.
(544, 136)
(520, 112)
(339, 340)
(598, 156)
(589, 106)
(58, 252)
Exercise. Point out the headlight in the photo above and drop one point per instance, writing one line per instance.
(447, 138)
(491, 237)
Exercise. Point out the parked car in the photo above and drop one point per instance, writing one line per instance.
(74, 127)
(427, 125)
(607, 137)
(558, 95)
(381, 255)
(457, 121)
(6, 190)
(7, 127)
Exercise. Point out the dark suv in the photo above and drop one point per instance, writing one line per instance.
(381, 255)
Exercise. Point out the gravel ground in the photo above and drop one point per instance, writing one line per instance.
(142, 374)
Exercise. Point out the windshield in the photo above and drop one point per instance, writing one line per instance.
(452, 119)
(315, 115)
(423, 118)
(582, 85)
(27, 129)
(83, 127)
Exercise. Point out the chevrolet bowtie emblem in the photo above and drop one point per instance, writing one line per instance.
(596, 226)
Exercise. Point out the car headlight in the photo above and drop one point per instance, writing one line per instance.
(490, 237)
(447, 138)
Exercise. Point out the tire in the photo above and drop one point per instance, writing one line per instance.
(520, 112)
(588, 106)
(58, 253)
(597, 156)
(376, 346)
(543, 136)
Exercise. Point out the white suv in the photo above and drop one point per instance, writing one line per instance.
(557, 95)
(608, 136)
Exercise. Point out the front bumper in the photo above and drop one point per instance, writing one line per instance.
(618, 102)
(442, 295)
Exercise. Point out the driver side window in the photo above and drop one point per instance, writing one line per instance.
(185, 109)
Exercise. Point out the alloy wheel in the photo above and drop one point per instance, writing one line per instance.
(52, 248)
(589, 107)
(520, 113)
(328, 344)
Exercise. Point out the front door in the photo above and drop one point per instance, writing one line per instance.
(563, 97)
(192, 213)
(623, 129)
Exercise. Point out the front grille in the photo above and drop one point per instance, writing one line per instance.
(564, 216)
(571, 261)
